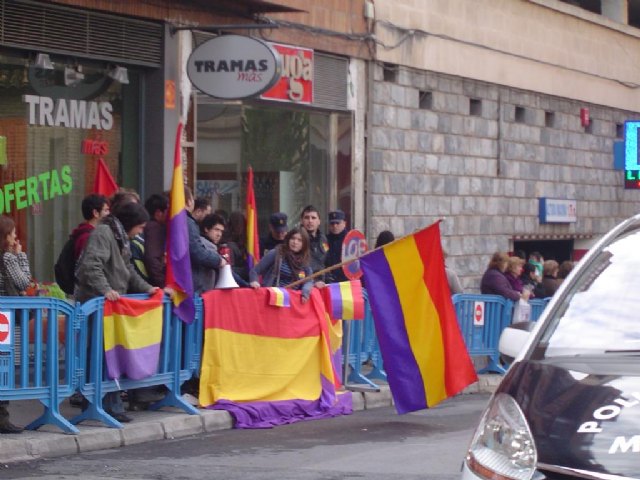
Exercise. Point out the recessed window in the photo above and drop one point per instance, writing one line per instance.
(389, 72)
(619, 130)
(589, 128)
(475, 107)
(426, 100)
(519, 115)
(549, 119)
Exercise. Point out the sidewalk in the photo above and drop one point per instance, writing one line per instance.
(147, 426)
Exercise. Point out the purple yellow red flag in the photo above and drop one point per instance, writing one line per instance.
(267, 368)
(132, 336)
(345, 300)
(253, 241)
(424, 353)
(279, 297)
(178, 275)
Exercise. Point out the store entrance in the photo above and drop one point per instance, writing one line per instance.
(558, 250)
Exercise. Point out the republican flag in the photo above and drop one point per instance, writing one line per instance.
(253, 241)
(132, 336)
(178, 275)
(265, 364)
(345, 300)
(279, 297)
(424, 354)
(104, 184)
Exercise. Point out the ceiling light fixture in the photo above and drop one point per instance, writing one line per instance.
(119, 74)
(73, 76)
(43, 61)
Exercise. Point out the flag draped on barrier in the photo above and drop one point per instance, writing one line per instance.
(424, 354)
(178, 275)
(132, 336)
(267, 365)
(253, 242)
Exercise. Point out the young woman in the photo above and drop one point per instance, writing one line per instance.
(285, 264)
(15, 276)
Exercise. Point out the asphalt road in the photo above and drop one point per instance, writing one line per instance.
(373, 444)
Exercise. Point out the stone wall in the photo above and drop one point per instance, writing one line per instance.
(432, 154)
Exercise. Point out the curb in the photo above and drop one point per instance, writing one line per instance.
(49, 442)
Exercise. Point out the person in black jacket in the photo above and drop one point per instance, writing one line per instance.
(310, 220)
(337, 231)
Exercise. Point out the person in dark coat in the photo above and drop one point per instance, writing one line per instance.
(337, 231)
(318, 245)
(277, 231)
(494, 282)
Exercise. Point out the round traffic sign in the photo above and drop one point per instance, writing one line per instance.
(353, 246)
(477, 313)
(5, 328)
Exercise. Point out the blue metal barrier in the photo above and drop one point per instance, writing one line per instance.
(37, 350)
(481, 319)
(174, 367)
(537, 307)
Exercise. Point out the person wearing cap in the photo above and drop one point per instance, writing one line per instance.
(277, 231)
(335, 237)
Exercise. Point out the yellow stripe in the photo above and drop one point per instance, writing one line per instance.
(133, 332)
(279, 297)
(420, 316)
(250, 223)
(177, 192)
(249, 368)
(347, 299)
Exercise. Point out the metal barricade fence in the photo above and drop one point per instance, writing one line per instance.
(537, 307)
(37, 355)
(174, 366)
(481, 319)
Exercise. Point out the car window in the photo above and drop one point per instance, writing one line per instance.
(599, 311)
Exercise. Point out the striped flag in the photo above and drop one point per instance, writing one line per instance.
(424, 353)
(345, 300)
(279, 297)
(132, 336)
(253, 242)
(178, 276)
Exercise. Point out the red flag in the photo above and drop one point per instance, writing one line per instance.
(253, 243)
(104, 184)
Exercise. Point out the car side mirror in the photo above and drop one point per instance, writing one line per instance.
(513, 339)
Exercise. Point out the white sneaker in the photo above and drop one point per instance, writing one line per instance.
(190, 399)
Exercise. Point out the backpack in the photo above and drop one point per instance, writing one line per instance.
(65, 267)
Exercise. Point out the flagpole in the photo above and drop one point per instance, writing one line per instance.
(347, 262)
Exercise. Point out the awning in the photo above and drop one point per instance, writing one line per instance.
(551, 236)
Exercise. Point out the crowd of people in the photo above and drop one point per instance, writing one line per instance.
(516, 277)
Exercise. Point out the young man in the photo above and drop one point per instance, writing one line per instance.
(201, 208)
(155, 232)
(318, 245)
(337, 231)
(277, 231)
(94, 208)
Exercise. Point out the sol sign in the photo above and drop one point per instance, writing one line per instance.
(353, 246)
(233, 67)
(296, 80)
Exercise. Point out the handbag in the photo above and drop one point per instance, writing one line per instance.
(521, 312)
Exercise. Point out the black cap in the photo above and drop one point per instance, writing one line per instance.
(278, 221)
(336, 216)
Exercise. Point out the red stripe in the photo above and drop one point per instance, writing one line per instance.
(459, 370)
(245, 310)
(133, 307)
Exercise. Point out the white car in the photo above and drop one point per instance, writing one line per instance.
(569, 406)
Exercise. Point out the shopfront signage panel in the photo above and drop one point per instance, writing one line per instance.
(233, 67)
(46, 111)
(296, 80)
(35, 189)
(631, 159)
(555, 210)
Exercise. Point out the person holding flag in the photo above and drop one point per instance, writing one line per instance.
(253, 241)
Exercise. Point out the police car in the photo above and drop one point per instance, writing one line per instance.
(569, 406)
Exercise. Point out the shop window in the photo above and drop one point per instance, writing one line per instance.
(425, 100)
(54, 133)
(475, 107)
(289, 151)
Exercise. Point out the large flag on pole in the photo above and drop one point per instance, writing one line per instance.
(253, 242)
(424, 353)
(103, 183)
(178, 276)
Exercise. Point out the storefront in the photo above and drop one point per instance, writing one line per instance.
(71, 92)
(297, 137)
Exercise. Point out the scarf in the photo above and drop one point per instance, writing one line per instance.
(118, 231)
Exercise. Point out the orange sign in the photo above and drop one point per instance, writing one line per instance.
(296, 80)
(169, 94)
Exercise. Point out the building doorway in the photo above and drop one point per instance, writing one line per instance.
(558, 250)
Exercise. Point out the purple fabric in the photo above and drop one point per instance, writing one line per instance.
(515, 282)
(403, 373)
(336, 306)
(134, 364)
(494, 282)
(181, 264)
(272, 414)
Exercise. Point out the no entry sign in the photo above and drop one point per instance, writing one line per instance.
(478, 313)
(5, 328)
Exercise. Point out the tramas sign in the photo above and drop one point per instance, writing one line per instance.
(296, 80)
(233, 67)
